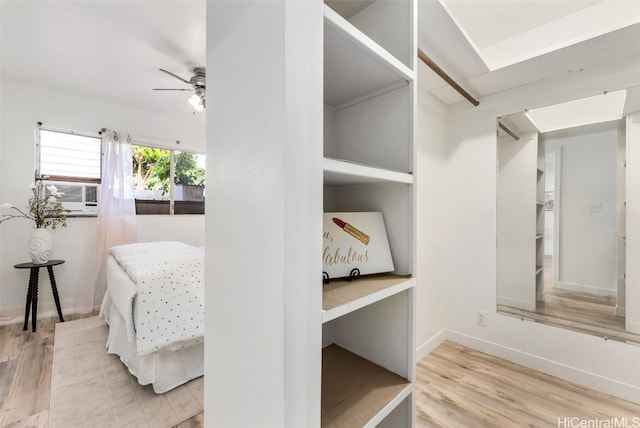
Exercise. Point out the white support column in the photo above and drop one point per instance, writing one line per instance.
(621, 187)
(632, 310)
(263, 213)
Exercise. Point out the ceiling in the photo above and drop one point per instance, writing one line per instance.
(494, 21)
(113, 49)
(505, 33)
(599, 108)
(106, 49)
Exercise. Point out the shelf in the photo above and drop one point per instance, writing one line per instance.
(540, 170)
(340, 296)
(368, 115)
(540, 236)
(355, 66)
(539, 269)
(340, 172)
(357, 392)
(539, 203)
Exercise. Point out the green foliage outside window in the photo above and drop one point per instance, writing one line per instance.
(187, 170)
(152, 169)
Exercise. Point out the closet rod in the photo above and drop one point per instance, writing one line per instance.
(508, 131)
(432, 65)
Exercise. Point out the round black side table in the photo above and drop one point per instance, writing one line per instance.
(32, 293)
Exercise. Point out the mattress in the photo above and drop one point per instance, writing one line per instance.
(164, 369)
(168, 279)
(122, 291)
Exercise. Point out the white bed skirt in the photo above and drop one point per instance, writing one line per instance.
(164, 369)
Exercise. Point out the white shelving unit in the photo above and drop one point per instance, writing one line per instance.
(519, 221)
(368, 323)
(338, 172)
(540, 196)
(621, 185)
(343, 297)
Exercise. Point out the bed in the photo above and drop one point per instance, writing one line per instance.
(154, 306)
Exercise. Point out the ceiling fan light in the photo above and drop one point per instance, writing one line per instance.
(195, 100)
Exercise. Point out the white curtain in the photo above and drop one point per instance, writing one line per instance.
(117, 210)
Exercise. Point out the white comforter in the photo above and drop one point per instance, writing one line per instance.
(170, 293)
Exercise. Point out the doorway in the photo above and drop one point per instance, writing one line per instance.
(562, 299)
(551, 207)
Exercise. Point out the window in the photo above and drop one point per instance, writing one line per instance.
(168, 181)
(68, 156)
(189, 183)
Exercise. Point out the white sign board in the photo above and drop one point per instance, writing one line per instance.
(355, 241)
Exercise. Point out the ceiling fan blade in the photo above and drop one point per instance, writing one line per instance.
(164, 89)
(176, 76)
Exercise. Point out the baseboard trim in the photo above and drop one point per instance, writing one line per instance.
(572, 374)
(431, 344)
(516, 303)
(633, 327)
(587, 289)
(15, 314)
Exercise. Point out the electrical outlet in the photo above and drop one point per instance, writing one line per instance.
(594, 207)
(481, 318)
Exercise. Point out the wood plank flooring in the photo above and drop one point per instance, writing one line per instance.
(583, 312)
(460, 387)
(25, 375)
(456, 387)
(195, 422)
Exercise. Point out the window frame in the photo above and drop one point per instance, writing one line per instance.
(87, 180)
(172, 165)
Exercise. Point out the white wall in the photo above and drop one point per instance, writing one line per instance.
(184, 228)
(21, 106)
(549, 186)
(588, 240)
(431, 218)
(516, 221)
(470, 249)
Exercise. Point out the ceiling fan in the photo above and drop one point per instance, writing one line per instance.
(198, 86)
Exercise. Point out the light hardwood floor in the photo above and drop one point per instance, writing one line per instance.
(456, 387)
(25, 375)
(195, 422)
(583, 312)
(460, 387)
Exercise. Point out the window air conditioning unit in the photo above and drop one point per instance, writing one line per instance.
(79, 198)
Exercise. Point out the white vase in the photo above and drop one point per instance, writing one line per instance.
(40, 246)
